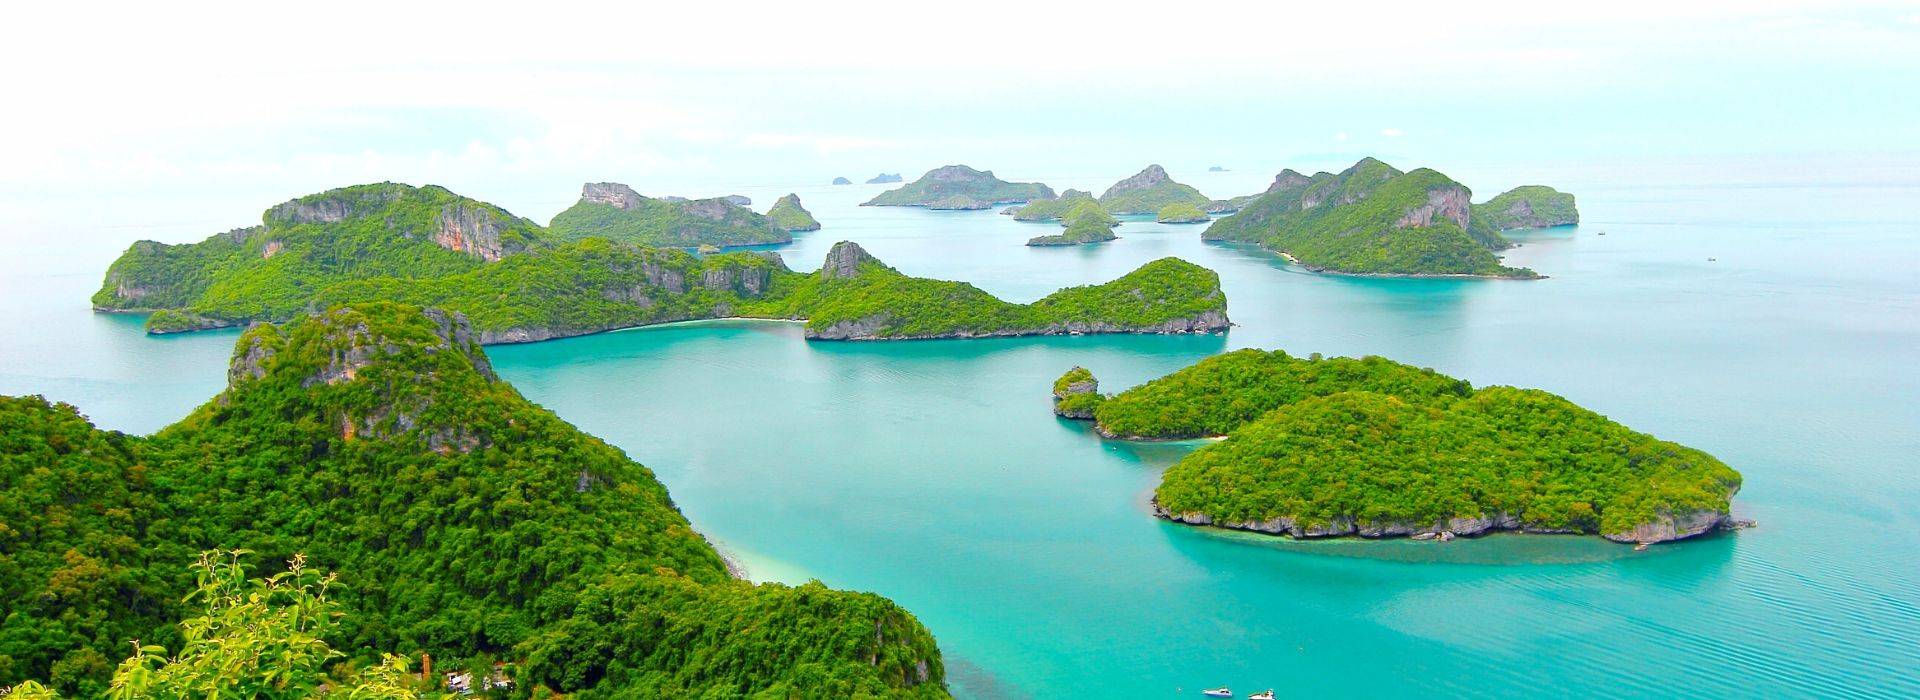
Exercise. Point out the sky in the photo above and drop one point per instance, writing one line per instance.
(192, 121)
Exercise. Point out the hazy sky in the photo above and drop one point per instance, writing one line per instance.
(244, 104)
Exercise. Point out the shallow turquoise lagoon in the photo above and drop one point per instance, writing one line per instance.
(934, 473)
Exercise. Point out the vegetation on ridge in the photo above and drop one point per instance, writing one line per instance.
(1372, 219)
(505, 274)
(461, 520)
(956, 184)
(1371, 443)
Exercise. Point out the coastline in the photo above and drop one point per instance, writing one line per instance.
(1400, 275)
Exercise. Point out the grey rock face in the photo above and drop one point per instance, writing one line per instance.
(1153, 175)
(1288, 179)
(250, 363)
(472, 229)
(340, 207)
(738, 200)
(611, 193)
(1443, 203)
(1664, 529)
(843, 261)
(1667, 527)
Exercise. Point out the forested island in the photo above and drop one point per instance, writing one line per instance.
(1528, 206)
(1149, 191)
(856, 297)
(1370, 447)
(1052, 209)
(1372, 219)
(1181, 214)
(518, 283)
(614, 211)
(1085, 221)
(885, 179)
(456, 518)
(960, 187)
(788, 215)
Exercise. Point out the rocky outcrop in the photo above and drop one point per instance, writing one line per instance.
(1672, 526)
(1443, 203)
(1149, 178)
(335, 205)
(353, 346)
(1076, 394)
(611, 193)
(472, 229)
(843, 261)
(1289, 179)
(1664, 529)
(739, 200)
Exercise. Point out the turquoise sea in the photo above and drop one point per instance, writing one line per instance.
(1773, 320)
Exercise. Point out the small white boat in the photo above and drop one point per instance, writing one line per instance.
(1220, 692)
(1262, 696)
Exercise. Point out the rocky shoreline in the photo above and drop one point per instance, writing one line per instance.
(1398, 275)
(1668, 528)
(866, 329)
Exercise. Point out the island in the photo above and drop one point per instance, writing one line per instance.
(375, 442)
(885, 179)
(944, 184)
(1371, 219)
(1076, 394)
(517, 283)
(1080, 231)
(1149, 191)
(958, 202)
(1330, 447)
(1182, 214)
(1216, 169)
(856, 297)
(614, 211)
(842, 181)
(1053, 209)
(790, 216)
(1528, 206)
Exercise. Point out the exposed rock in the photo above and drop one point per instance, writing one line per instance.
(335, 206)
(1670, 526)
(466, 228)
(354, 347)
(1076, 394)
(1665, 528)
(738, 200)
(868, 328)
(1449, 203)
(843, 261)
(611, 193)
(1152, 176)
(251, 362)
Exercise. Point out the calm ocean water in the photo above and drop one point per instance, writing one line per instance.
(934, 473)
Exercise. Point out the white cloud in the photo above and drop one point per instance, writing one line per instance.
(1392, 133)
